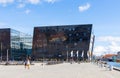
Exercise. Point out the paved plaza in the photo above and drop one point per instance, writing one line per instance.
(65, 70)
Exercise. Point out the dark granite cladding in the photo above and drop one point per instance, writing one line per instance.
(57, 42)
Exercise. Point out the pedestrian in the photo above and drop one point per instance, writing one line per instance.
(28, 63)
(25, 63)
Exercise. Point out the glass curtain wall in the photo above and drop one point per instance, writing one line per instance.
(15, 44)
(26, 44)
(21, 45)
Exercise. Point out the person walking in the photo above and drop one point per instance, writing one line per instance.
(27, 63)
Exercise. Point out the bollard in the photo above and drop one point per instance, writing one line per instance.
(110, 67)
(106, 67)
(102, 65)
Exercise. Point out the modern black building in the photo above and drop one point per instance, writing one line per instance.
(63, 42)
(14, 45)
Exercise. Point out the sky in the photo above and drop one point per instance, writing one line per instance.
(24, 15)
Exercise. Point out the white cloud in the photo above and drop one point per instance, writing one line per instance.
(21, 5)
(34, 1)
(84, 7)
(20, 0)
(50, 1)
(27, 11)
(99, 50)
(109, 38)
(113, 45)
(5, 2)
(4, 25)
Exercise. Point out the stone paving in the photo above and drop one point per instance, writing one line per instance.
(64, 70)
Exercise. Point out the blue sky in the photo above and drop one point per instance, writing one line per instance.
(23, 15)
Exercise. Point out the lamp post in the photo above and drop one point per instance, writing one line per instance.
(1, 51)
(77, 53)
(7, 56)
(72, 56)
(67, 53)
(67, 56)
(75, 47)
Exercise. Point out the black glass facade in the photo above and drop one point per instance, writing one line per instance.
(14, 44)
(57, 42)
(4, 43)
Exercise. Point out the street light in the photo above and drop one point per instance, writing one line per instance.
(7, 56)
(72, 56)
(67, 53)
(77, 53)
(1, 51)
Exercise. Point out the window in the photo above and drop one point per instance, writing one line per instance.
(80, 39)
(70, 34)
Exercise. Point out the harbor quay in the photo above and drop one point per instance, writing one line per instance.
(62, 70)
